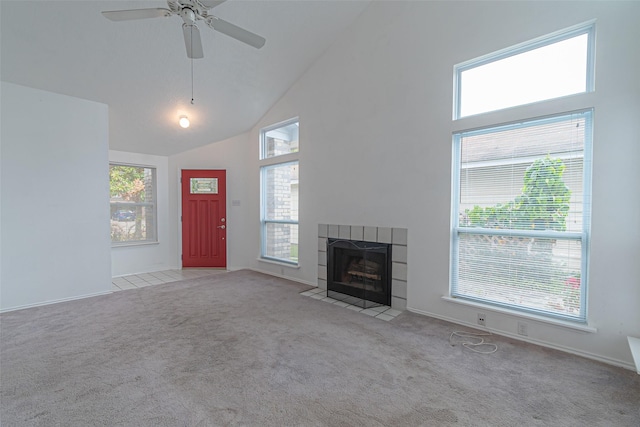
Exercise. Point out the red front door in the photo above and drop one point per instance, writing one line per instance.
(204, 218)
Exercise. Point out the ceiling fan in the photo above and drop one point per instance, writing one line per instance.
(191, 11)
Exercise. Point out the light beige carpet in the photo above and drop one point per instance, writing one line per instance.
(246, 349)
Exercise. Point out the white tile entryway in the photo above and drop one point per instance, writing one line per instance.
(135, 281)
(382, 312)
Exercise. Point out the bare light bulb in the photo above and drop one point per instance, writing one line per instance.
(184, 122)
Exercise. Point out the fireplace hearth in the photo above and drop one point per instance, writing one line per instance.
(359, 272)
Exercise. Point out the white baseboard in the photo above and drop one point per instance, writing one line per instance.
(604, 359)
(39, 304)
(293, 279)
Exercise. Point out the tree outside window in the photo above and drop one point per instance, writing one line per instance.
(132, 192)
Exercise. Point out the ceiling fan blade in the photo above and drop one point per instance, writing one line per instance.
(236, 32)
(210, 4)
(127, 15)
(192, 41)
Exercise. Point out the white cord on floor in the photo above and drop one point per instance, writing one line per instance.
(470, 345)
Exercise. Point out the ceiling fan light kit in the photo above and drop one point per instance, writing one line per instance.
(184, 122)
(191, 11)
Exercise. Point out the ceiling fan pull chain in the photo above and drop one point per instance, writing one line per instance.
(191, 81)
(192, 66)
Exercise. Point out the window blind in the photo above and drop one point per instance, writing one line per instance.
(521, 215)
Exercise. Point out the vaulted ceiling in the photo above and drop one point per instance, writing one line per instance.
(141, 71)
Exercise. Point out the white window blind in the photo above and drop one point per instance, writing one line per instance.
(521, 215)
(280, 212)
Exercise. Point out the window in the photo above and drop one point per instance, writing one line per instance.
(279, 140)
(521, 191)
(133, 204)
(521, 215)
(280, 188)
(543, 69)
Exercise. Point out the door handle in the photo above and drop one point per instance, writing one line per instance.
(222, 226)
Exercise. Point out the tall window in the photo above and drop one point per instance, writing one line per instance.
(521, 202)
(133, 204)
(279, 181)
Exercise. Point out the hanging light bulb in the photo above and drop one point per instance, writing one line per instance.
(184, 122)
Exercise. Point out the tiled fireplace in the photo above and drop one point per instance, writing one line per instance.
(396, 238)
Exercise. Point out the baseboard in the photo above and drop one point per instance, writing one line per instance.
(56, 301)
(293, 279)
(585, 354)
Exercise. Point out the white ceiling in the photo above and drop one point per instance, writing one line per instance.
(141, 70)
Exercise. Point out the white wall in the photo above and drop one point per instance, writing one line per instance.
(375, 148)
(55, 192)
(134, 259)
(232, 156)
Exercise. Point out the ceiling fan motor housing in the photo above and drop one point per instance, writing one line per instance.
(189, 10)
(188, 16)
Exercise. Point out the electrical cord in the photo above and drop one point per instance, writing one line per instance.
(472, 345)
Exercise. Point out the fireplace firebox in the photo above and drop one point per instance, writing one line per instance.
(359, 272)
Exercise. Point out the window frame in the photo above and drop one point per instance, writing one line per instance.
(266, 163)
(263, 140)
(588, 28)
(583, 236)
(514, 116)
(153, 205)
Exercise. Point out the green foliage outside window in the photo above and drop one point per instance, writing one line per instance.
(127, 182)
(542, 205)
(131, 211)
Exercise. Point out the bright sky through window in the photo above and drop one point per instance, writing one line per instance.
(551, 71)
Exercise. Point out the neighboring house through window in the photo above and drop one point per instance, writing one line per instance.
(521, 191)
(133, 204)
(279, 181)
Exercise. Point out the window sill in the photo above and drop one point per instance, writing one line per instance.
(128, 245)
(530, 316)
(281, 263)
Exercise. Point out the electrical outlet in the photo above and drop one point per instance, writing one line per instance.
(481, 319)
(523, 329)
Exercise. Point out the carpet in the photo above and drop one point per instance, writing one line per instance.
(245, 349)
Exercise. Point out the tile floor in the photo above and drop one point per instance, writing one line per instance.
(383, 312)
(158, 277)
